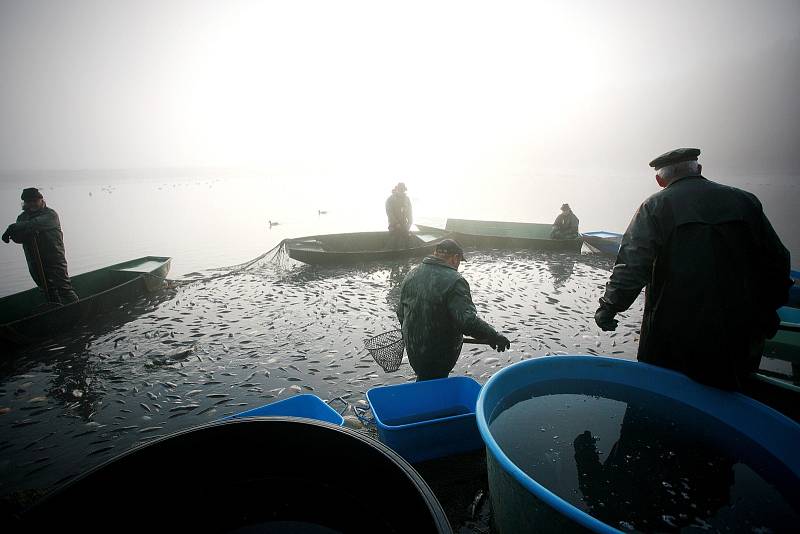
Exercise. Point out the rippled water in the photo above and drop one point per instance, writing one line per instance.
(203, 350)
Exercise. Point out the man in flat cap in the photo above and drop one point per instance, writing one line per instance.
(565, 225)
(714, 270)
(436, 311)
(38, 230)
(398, 211)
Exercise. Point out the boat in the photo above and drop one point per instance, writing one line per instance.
(359, 247)
(502, 234)
(605, 242)
(794, 291)
(27, 317)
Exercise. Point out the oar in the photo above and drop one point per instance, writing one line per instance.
(39, 265)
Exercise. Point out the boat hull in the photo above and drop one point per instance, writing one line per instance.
(100, 291)
(343, 249)
(605, 242)
(492, 237)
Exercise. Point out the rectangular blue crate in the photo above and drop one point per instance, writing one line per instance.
(429, 419)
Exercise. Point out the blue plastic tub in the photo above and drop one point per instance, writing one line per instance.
(521, 504)
(429, 419)
(304, 406)
(789, 315)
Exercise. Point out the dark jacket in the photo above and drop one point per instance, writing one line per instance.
(715, 272)
(565, 226)
(398, 211)
(45, 227)
(435, 311)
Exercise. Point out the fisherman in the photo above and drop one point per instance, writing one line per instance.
(565, 225)
(436, 310)
(398, 211)
(715, 273)
(39, 231)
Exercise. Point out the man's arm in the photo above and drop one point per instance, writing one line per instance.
(410, 213)
(634, 265)
(463, 312)
(574, 223)
(400, 312)
(776, 266)
(47, 220)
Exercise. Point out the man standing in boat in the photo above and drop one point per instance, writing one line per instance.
(565, 225)
(436, 311)
(398, 211)
(715, 273)
(38, 229)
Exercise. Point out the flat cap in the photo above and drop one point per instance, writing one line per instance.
(30, 193)
(450, 246)
(675, 156)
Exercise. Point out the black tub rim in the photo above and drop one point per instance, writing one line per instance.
(437, 514)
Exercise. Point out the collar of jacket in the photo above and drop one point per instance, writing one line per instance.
(433, 260)
(684, 178)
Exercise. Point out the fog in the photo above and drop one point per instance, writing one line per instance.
(450, 90)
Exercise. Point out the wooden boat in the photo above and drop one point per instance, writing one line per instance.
(605, 242)
(27, 317)
(500, 234)
(359, 247)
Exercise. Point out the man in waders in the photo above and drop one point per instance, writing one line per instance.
(398, 211)
(38, 230)
(715, 273)
(436, 311)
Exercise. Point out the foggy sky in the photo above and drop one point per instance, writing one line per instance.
(472, 88)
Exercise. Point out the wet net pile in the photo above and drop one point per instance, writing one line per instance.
(387, 349)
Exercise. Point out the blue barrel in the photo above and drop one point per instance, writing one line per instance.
(521, 504)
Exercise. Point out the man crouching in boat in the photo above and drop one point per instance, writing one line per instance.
(566, 225)
(436, 310)
(715, 273)
(39, 231)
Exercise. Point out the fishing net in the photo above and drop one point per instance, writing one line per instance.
(387, 349)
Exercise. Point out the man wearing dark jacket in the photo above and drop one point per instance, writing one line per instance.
(715, 273)
(566, 225)
(39, 231)
(436, 311)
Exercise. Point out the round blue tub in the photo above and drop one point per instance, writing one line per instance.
(520, 504)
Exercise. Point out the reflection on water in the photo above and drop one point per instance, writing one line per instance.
(643, 462)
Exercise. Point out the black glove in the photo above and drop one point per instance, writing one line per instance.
(499, 343)
(7, 235)
(604, 318)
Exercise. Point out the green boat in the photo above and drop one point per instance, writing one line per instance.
(360, 247)
(774, 388)
(27, 317)
(500, 234)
